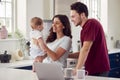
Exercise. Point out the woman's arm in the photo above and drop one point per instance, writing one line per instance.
(74, 55)
(55, 55)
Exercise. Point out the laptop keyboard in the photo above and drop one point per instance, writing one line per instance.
(69, 78)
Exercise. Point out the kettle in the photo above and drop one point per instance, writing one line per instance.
(118, 44)
(5, 58)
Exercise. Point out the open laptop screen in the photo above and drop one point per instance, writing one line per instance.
(48, 71)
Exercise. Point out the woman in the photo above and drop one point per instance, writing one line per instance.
(58, 42)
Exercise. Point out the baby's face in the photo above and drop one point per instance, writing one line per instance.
(40, 27)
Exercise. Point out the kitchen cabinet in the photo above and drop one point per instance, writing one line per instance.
(25, 67)
(61, 8)
(23, 64)
(114, 64)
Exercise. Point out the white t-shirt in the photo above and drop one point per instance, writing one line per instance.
(34, 49)
(65, 43)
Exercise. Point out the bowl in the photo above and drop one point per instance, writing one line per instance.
(5, 58)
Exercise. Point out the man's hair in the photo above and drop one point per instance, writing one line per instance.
(80, 8)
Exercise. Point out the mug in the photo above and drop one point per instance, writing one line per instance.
(81, 73)
(68, 72)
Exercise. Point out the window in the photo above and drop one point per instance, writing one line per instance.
(6, 14)
(98, 10)
(93, 7)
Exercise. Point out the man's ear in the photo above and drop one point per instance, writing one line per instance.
(82, 14)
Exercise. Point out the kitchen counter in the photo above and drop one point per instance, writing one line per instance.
(115, 50)
(17, 74)
(15, 64)
(23, 63)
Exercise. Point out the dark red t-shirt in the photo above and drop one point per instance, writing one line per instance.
(97, 60)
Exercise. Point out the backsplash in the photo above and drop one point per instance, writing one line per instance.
(12, 45)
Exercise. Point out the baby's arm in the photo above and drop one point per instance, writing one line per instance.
(42, 43)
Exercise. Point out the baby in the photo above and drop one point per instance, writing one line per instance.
(37, 27)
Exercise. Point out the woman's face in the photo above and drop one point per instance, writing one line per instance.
(57, 25)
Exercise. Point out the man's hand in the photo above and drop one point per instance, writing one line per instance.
(74, 72)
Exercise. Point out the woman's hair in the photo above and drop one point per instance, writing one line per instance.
(36, 21)
(66, 31)
(80, 8)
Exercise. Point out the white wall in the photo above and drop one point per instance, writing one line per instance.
(27, 9)
(63, 7)
(76, 37)
(9, 44)
(113, 22)
(104, 15)
(34, 9)
(21, 16)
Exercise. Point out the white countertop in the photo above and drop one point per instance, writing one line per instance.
(23, 63)
(18, 74)
(15, 64)
(115, 50)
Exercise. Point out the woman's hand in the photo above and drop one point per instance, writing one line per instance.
(39, 59)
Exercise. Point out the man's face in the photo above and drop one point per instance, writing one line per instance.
(75, 18)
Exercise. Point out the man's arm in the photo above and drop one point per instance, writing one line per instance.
(83, 54)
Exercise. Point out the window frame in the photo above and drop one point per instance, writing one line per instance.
(12, 19)
(94, 11)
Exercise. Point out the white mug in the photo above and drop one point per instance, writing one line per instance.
(68, 72)
(81, 73)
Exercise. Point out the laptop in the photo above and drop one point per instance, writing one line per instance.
(48, 71)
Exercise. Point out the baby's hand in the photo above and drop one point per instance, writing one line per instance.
(39, 59)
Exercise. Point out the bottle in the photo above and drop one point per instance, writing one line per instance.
(3, 33)
(118, 44)
(78, 45)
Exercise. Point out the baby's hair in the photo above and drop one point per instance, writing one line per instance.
(36, 21)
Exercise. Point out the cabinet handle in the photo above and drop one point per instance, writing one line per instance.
(117, 60)
(117, 55)
(117, 72)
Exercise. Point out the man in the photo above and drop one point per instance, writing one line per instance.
(93, 53)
